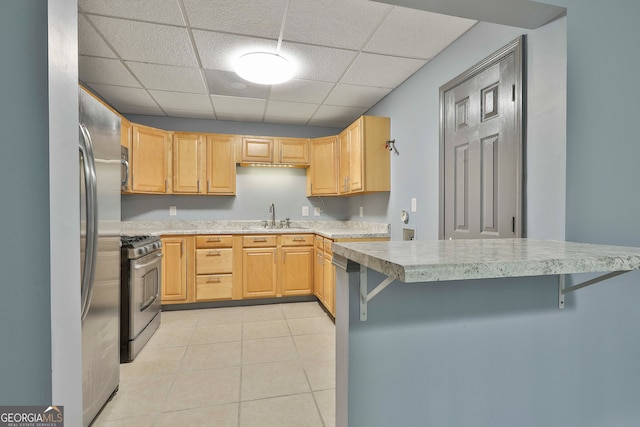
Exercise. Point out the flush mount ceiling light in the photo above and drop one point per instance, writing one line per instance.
(264, 68)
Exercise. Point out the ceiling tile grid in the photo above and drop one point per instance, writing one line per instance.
(176, 57)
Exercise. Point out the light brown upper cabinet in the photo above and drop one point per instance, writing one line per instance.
(275, 151)
(322, 175)
(187, 158)
(257, 149)
(293, 151)
(221, 164)
(203, 164)
(364, 161)
(149, 159)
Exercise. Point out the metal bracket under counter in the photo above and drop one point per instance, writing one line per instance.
(562, 290)
(366, 296)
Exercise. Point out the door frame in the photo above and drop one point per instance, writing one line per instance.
(516, 48)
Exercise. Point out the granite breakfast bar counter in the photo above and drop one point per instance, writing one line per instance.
(425, 326)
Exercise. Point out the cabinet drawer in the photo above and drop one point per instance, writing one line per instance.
(258, 241)
(211, 261)
(213, 287)
(297, 240)
(214, 241)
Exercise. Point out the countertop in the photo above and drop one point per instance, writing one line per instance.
(336, 230)
(439, 260)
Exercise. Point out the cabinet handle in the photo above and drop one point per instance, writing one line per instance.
(213, 280)
(259, 239)
(213, 239)
(298, 239)
(198, 187)
(212, 253)
(208, 186)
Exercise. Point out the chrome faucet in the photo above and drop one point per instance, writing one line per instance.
(272, 211)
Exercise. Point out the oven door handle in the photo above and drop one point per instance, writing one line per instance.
(147, 264)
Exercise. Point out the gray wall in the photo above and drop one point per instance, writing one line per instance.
(25, 315)
(498, 352)
(414, 112)
(256, 188)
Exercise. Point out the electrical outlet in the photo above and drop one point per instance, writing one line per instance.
(305, 211)
(172, 210)
(361, 211)
(414, 205)
(317, 211)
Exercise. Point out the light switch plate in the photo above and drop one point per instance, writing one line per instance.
(414, 205)
(317, 211)
(305, 211)
(172, 210)
(361, 211)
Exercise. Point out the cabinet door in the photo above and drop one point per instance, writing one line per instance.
(149, 159)
(256, 149)
(258, 272)
(343, 170)
(221, 164)
(356, 158)
(329, 280)
(187, 155)
(174, 269)
(293, 151)
(297, 270)
(318, 269)
(322, 174)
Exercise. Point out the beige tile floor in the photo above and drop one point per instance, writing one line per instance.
(269, 365)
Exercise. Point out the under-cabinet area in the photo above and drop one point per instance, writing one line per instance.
(174, 162)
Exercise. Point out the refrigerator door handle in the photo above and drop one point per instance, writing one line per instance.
(125, 163)
(91, 245)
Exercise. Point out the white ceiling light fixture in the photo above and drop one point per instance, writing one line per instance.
(264, 68)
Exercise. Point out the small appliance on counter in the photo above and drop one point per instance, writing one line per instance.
(141, 273)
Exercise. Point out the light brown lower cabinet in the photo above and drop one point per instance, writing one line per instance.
(234, 267)
(175, 269)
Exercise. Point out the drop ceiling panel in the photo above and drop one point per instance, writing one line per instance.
(231, 108)
(381, 71)
(230, 84)
(182, 101)
(338, 23)
(404, 32)
(318, 63)
(90, 42)
(289, 112)
(356, 96)
(162, 11)
(143, 42)
(219, 51)
(168, 77)
(104, 70)
(262, 18)
(128, 100)
(301, 91)
(335, 116)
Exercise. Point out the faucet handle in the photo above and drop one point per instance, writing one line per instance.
(288, 222)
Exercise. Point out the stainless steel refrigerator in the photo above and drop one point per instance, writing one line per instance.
(99, 134)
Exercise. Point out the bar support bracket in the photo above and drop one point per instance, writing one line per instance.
(365, 296)
(562, 290)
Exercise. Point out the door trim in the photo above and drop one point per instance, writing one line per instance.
(516, 48)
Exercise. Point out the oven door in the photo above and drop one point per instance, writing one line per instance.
(144, 300)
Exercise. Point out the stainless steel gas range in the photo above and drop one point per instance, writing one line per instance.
(141, 273)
